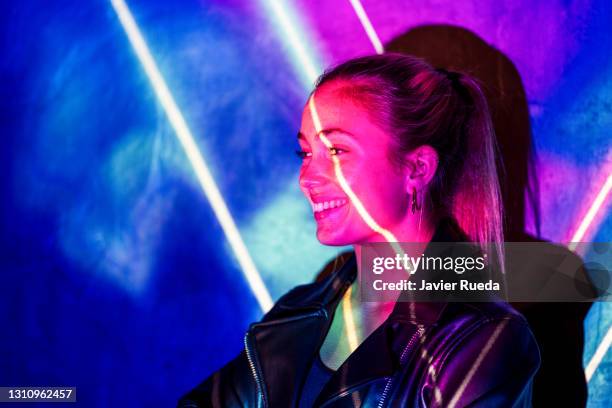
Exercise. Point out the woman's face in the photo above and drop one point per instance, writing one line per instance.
(362, 151)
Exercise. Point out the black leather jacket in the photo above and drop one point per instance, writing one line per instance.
(437, 355)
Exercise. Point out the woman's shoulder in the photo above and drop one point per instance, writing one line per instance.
(476, 315)
(492, 310)
(493, 358)
(477, 324)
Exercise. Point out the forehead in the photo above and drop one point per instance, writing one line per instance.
(336, 108)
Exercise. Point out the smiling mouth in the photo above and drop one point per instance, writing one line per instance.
(324, 208)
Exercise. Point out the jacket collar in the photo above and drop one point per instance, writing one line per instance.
(428, 313)
(288, 338)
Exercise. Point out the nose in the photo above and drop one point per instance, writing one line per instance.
(313, 177)
(311, 184)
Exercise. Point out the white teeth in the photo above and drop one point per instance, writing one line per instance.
(316, 207)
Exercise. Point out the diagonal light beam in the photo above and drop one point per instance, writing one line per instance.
(481, 356)
(193, 154)
(598, 355)
(289, 24)
(597, 204)
(347, 313)
(367, 26)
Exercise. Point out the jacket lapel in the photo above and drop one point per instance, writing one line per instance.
(374, 359)
(285, 343)
(284, 350)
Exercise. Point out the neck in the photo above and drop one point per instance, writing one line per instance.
(373, 314)
(407, 231)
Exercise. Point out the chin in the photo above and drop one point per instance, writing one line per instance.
(332, 239)
(337, 238)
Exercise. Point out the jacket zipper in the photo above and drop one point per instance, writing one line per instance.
(385, 392)
(258, 384)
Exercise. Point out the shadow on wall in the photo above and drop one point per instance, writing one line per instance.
(558, 327)
(458, 49)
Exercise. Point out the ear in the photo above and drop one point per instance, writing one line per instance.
(422, 164)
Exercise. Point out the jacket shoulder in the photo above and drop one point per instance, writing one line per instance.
(492, 362)
(490, 310)
(296, 299)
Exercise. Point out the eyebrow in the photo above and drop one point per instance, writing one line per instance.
(327, 132)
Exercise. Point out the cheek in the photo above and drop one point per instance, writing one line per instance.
(373, 180)
(387, 197)
(381, 192)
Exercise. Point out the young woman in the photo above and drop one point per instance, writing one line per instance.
(391, 149)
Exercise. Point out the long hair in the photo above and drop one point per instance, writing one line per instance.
(419, 105)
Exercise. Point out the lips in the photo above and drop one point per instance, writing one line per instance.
(323, 207)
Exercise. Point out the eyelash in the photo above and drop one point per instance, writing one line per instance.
(302, 154)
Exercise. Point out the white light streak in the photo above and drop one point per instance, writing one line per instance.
(599, 201)
(367, 26)
(598, 355)
(483, 353)
(193, 154)
(347, 312)
(290, 28)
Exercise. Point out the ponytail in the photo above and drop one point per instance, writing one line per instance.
(477, 202)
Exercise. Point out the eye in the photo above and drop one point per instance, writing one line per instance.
(302, 154)
(335, 151)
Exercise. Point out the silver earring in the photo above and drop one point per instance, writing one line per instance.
(415, 204)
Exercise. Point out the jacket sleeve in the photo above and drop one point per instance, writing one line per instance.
(490, 366)
(231, 386)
